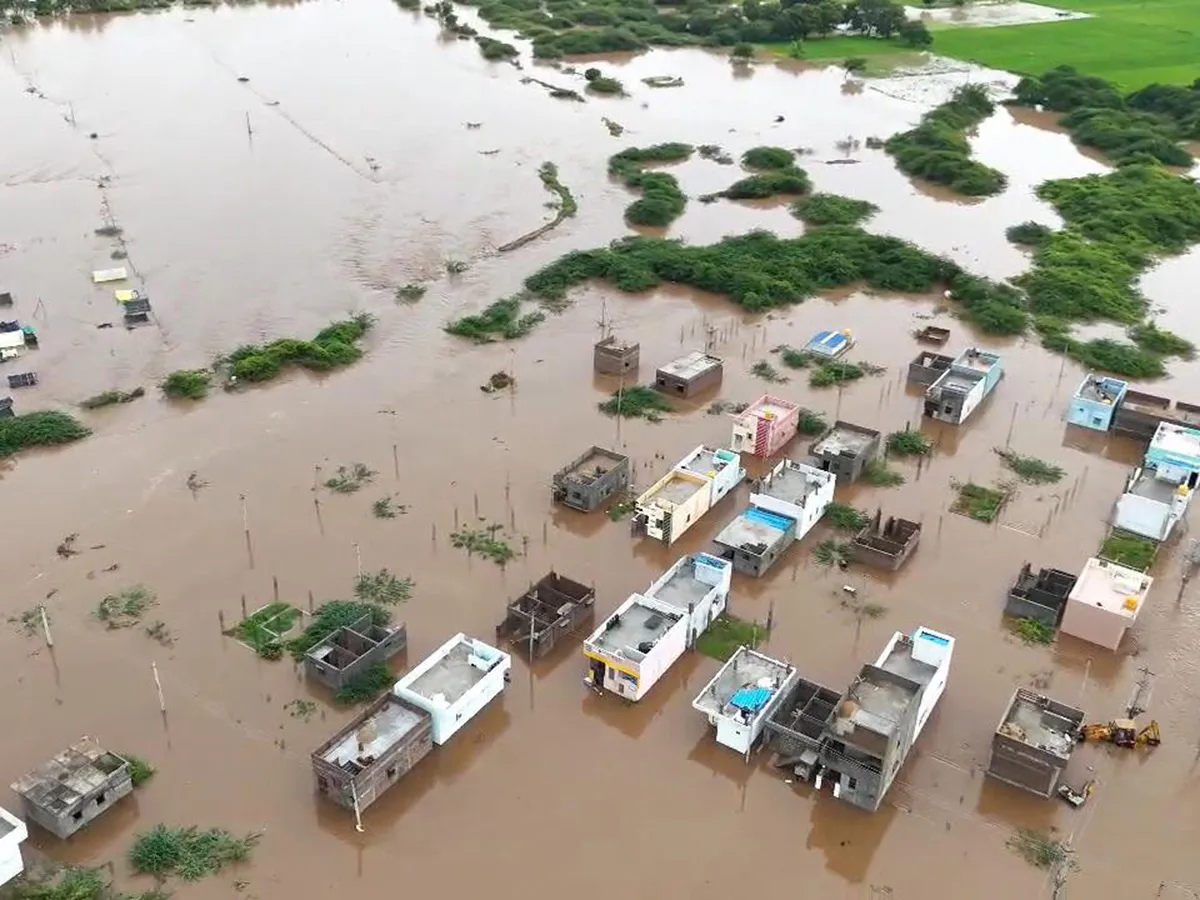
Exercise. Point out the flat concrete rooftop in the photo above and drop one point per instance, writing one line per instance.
(845, 439)
(1033, 724)
(745, 669)
(769, 406)
(958, 381)
(597, 463)
(748, 530)
(705, 462)
(794, 485)
(637, 624)
(978, 360)
(682, 589)
(63, 781)
(1107, 586)
(390, 726)
(1100, 389)
(688, 367)
(677, 489)
(883, 703)
(451, 676)
(1153, 488)
(1176, 440)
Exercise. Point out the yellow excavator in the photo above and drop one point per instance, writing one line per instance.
(1123, 733)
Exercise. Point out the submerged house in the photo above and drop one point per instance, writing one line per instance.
(1033, 742)
(590, 479)
(858, 741)
(613, 357)
(1042, 596)
(845, 449)
(351, 650)
(371, 754)
(1096, 401)
(551, 609)
(1105, 602)
(928, 367)
(1157, 493)
(961, 388)
(785, 504)
(765, 427)
(1139, 415)
(742, 695)
(635, 646)
(690, 375)
(693, 486)
(455, 682)
(77, 786)
(885, 545)
(12, 834)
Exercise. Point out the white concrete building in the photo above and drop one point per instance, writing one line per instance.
(1105, 602)
(1158, 492)
(636, 645)
(455, 682)
(742, 695)
(693, 486)
(12, 833)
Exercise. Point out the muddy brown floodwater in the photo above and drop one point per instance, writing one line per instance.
(341, 169)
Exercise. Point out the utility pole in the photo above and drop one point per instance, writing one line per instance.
(1139, 702)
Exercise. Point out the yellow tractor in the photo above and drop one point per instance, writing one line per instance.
(1123, 733)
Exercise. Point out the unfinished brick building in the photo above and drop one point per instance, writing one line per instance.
(350, 651)
(74, 788)
(886, 545)
(551, 609)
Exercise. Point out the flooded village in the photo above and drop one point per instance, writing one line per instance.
(642, 572)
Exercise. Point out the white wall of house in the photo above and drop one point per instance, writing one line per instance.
(449, 717)
(815, 504)
(12, 834)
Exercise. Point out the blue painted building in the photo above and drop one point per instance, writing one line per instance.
(1096, 402)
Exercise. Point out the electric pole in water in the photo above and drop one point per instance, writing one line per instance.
(1140, 701)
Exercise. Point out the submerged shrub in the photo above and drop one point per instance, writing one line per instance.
(191, 384)
(39, 429)
(768, 158)
(830, 209)
(662, 202)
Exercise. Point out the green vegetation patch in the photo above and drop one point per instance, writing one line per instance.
(190, 853)
(567, 206)
(140, 771)
(125, 608)
(639, 402)
(812, 423)
(1130, 550)
(830, 209)
(1030, 469)
(1034, 631)
(411, 292)
(832, 553)
(187, 384)
(937, 150)
(334, 346)
(265, 630)
(351, 478)
(1029, 234)
(1161, 342)
(786, 182)
(767, 372)
(331, 616)
(726, 634)
(880, 474)
(908, 443)
(846, 518)
(763, 158)
(112, 398)
(383, 587)
(503, 320)
(662, 201)
(47, 428)
(71, 883)
(760, 271)
(495, 50)
(366, 685)
(1038, 849)
(1100, 354)
(487, 542)
(983, 504)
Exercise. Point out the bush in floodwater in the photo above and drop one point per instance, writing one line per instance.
(1029, 234)
(780, 182)
(846, 518)
(495, 50)
(605, 85)
(1101, 354)
(366, 685)
(763, 158)
(189, 852)
(937, 150)
(662, 202)
(1130, 550)
(39, 429)
(331, 616)
(812, 423)
(112, 398)
(500, 321)
(637, 403)
(908, 443)
(1030, 469)
(830, 209)
(1153, 339)
(333, 347)
(190, 384)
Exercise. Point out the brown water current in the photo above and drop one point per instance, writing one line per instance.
(343, 168)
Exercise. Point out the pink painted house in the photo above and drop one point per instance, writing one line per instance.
(765, 426)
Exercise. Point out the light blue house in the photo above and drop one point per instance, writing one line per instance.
(1174, 453)
(1096, 402)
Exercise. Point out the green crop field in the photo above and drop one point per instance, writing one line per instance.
(1130, 42)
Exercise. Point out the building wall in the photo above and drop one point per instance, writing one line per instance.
(588, 497)
(1144, 516)
(682, 387)
(89, 808)
(608, 362)
(336, 678)
(634, 680)
(1090, 623)
(336, 784)
(1023, 767)
(1091, 414)
(447, 720)
(11, 864)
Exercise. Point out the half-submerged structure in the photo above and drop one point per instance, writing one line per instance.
(635, 646)
(693, 486)
(1096, 401)
(885, 545)
(858, 741)
(1139, 415)
(690, 375)
(830, 344)
(455, 682)
(845, 449)
(12, 834)
(351, 650)
(1158, 492)
(1033, 742)
(765, 426)
(590, 479)
(742, 695)
(961, 388)
(927, 367)
(74, 788)
(784, 506)
(551, 609)
(1105, 602)
(613, 357)
(371, 754)
(1042, 596)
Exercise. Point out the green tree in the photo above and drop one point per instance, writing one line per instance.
(875, 18)
(915, 34)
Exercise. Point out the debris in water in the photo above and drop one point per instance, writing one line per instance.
(663, 81)
(498, 382)
(195, 482)
(616, 129)
(66, 548)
